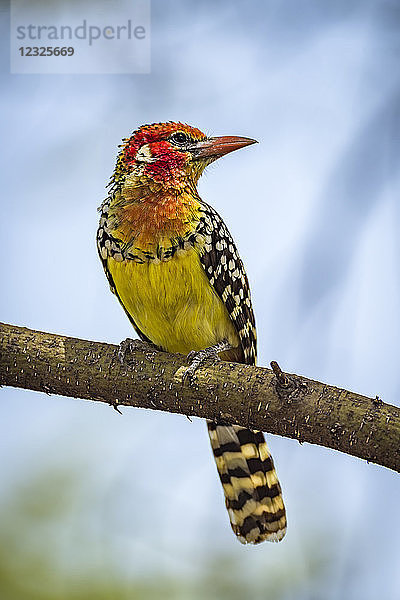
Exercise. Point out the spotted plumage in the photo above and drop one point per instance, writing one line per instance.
(173, 265)
(227, 275)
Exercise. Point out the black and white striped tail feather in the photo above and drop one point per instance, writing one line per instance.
(252, 492)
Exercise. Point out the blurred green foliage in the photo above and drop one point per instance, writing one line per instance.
(50, 549)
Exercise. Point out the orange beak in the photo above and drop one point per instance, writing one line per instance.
(219, 146)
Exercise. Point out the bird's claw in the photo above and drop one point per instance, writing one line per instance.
(130, 345)
(198, 358)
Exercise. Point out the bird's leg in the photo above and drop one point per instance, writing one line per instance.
(129, 345)
(196, 359)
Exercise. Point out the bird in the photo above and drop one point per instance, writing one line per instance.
(174, 267)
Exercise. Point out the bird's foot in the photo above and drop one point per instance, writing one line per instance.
(129, 345)
(198, 358)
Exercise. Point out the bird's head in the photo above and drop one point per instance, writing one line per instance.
(172, 155)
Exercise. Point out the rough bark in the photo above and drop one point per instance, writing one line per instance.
(259, 398)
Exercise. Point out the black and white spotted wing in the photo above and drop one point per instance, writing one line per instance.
(227, 275)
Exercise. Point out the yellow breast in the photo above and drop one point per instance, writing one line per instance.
(173, 303)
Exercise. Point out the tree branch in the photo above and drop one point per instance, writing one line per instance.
(264, 399)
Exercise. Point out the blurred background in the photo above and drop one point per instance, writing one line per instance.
(98, 505)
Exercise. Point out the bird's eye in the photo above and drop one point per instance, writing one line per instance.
(180, 137)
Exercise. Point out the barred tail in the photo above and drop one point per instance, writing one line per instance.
(252, 492)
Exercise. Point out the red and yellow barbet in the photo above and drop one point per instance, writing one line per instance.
(174, 267)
